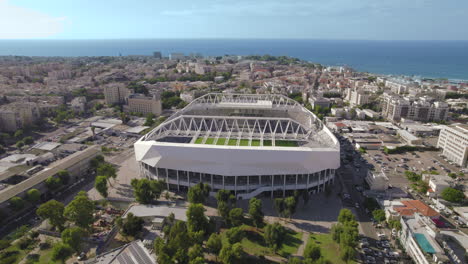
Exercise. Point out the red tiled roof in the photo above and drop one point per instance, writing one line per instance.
(416, 206)
(340, 125)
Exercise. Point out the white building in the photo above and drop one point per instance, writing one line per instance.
(454, 142)
(138, 103)
(395, 107)
(319, 101)
(377, 181)
(418, 238)
(357, 97)
(409, 138)
(248, 144)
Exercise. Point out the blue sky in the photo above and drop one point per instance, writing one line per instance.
(314, 19)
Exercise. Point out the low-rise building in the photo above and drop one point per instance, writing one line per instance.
(138, 103)
(319, 101)
(377, 181)
(409, 138)
(132, 253)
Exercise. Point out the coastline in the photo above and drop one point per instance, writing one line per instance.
(427, 59)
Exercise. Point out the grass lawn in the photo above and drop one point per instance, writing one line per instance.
(244, 142)
(285, 143)
(329, 248)
(46, 257)
(255, 143)
(19, 254)
(221, 141)
(254, 243)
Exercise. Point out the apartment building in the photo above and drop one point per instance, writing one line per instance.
(426, 109)
(18, 115)
(139, 103)
(115, 94)
(454, 142)
(418, 237)
(357, 97)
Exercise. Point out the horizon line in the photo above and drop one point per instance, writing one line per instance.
(212, 38)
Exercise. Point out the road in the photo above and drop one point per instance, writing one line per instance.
(29, 216)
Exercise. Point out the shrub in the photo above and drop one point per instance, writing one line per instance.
(452, 195)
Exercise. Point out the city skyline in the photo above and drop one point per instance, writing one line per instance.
(337, 19)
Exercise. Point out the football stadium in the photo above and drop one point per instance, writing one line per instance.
(250, 144)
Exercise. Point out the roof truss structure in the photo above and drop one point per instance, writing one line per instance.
(232, 127)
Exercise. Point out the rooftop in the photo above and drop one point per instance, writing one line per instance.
(415, 206)
(160, 211)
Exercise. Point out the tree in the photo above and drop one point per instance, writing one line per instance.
(64, 176)
(312, 251)
(53, 183)
(80, 210)
(196, 219)
(290, 204)
(107, 170)
(33, 195)
(198, 260)
(214, 244)
(146, 191)
(198, 193)
(347, 253)
(275, 235)
(236, 217)
(280, 206)
(345, 216)
(53, 211)
(379, 215)
(196, 251)
(255, 211)
(73, 237)
(17, 203)
(452, 195)
(100, 184)
(223, 211)
(96, 161)
(20, 144)
(149, 120)
(231, 254)
(234, 235)
(28, 140)
(61, 252)
(223, 196)
(131, 225)
(18, 134)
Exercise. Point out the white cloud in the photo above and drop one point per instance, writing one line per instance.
(20, 23)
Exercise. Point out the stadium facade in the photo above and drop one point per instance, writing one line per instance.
(250, 144)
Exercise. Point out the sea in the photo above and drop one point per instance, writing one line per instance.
(426, 59)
